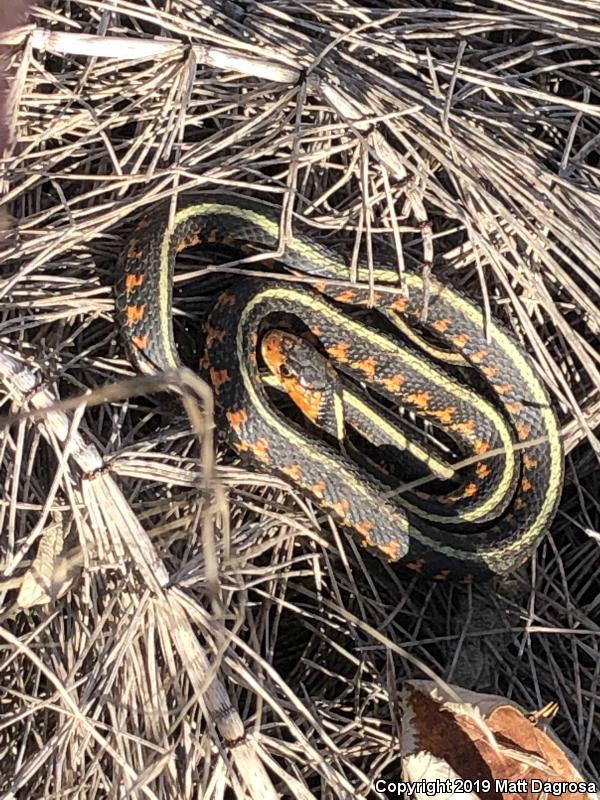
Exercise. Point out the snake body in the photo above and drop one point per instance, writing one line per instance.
(499, 506)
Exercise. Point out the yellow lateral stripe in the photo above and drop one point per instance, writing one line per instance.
(440, 468)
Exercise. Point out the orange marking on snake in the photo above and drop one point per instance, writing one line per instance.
(237, 419)
(135, 314)
(529, 462)
(214, 335)
(390, 550)
(420, 399)
(442, 575)
(482, 471)
(226, 299)
(320, 286)
(133, 251)
(339, 351)
(514, 408)
(467, 428)
(526, 485)
(490, 372)
(132, 282)
(504, 388)
(444, 414)
(470, 490)
(523, 432)
(294, 471)
(341, 508)
(228, 239)
(394, 384)
(442, 325)
(141, 342)
(366, 365)
(316, 331)
(399, 304)
(478, 356)
(219, 377)
(318, 489)
(213, 235)
(364, 528)
(460, 340)
(480, 447)
(416, 566)
(193, 241)
(347, 296)
(259, 449)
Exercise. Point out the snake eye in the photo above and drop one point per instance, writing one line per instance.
(285, 371)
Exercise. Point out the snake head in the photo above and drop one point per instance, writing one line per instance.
(301, 372)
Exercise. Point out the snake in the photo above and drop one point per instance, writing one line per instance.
(408, 344)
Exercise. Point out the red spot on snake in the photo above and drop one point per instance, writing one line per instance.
(341, 508)
(467, 428)
(394, 384)
(391, 550)
(514, 408)
(444, 414)
(226, 299)
(141, 342)
(347, 296)
(482, 471)
(214, 335)
(191, 241)
(365, 528)
(399, 304)
(415, 566)
(259, 449)
(294, 471)
(237, 419)
(478, 356)
(442, 325)
(132, 282)
(420, 399)
(460, 340)
(318, 489)
(339, 352)
(219, 377)
(135, 314)
(490, 372)
(366, 365)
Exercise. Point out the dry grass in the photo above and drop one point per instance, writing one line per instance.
(208, 628)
